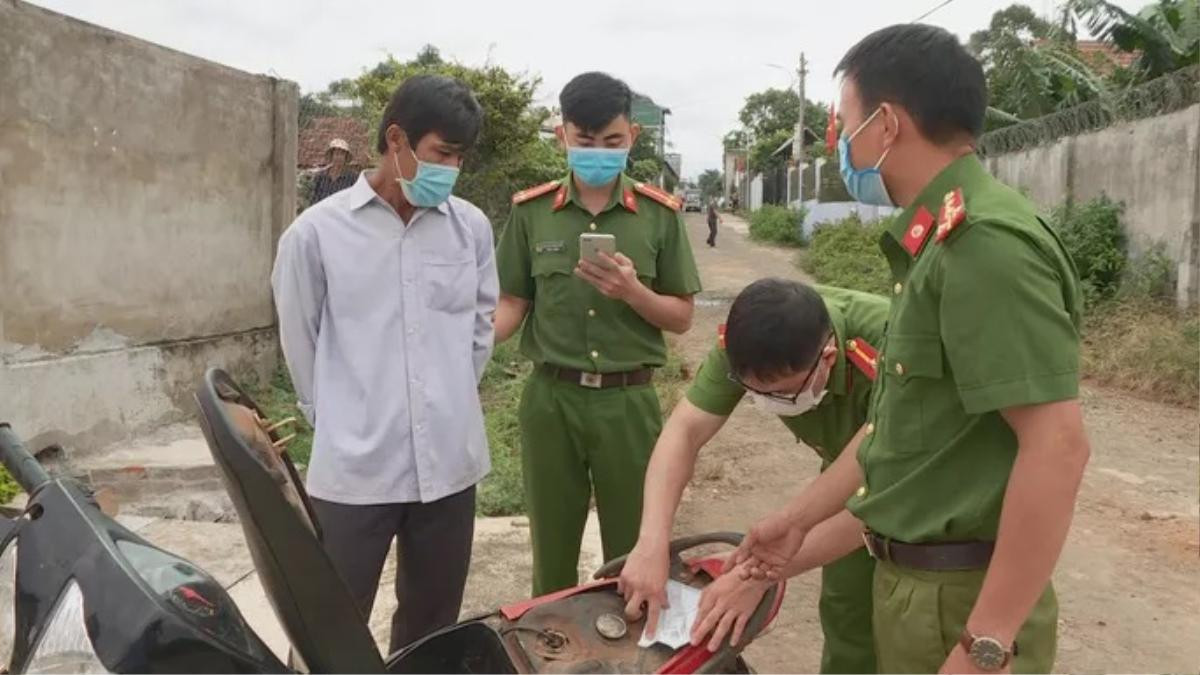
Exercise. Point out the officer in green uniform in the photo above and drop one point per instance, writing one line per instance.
(976, 448)
(589, 414)
(802, 353)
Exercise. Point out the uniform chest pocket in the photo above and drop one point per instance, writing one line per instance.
(450, 284)
(915, 389)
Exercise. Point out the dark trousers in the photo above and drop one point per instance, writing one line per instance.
(433, 554)
(712, 233)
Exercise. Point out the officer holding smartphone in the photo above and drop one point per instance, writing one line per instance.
(589, 414)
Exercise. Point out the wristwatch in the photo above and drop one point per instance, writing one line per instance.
(988, 654)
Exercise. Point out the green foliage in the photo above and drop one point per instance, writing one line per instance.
(711, 184)
(777, 225)
(762, 153)
(1094, 237)
(1032, 68)
(846, 254)
(278, 401)
(502, 492)
(1165, 35)
(8, 487)
(1150, 275)
(510, 154)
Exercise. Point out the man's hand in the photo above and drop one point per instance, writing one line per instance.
(770, 544)
(643, 581)
(726, 605)
(616, 278)
(959, 662)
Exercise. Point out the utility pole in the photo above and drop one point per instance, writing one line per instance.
(798, 140)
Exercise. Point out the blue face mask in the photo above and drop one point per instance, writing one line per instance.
(430, 186)
(864, 185)
(597, 166)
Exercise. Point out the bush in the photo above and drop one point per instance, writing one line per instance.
(777, 225)
(1151, 275)
(1094, 237)
(846, 254)
(502, 492)
(8, 487)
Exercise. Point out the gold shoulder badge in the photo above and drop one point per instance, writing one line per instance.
(658, 195)
(862, 355)
(525, 195)
(952, 214)
(721, 336)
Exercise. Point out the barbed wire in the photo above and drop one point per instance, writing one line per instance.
(1169, 93)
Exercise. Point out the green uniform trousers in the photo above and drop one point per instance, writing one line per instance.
(845, 610)
(920, 616)
(574, 439)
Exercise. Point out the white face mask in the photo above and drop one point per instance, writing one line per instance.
(804, 403)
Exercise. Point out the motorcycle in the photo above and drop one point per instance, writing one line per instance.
(80, 593)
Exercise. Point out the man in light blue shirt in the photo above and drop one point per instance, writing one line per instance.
(385, 293)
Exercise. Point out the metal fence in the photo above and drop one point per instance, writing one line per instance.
(1169, 93)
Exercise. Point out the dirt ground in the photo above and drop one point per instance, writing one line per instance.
(1129, 579)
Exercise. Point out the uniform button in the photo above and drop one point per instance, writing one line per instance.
(861, 491)
(595, 354)
(592, 227)
(899, 368)
(591, 312)
(897, 288)
(870, 427)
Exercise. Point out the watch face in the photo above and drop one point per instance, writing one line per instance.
(988, 653)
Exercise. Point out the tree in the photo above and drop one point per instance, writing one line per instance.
(767, 112)
(1165, 34)
(711, 184)
(1032, 68)
(510, 154)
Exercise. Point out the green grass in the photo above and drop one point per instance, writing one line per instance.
(8, 487)
(1136, 342)
(778, 225)
(501, 493)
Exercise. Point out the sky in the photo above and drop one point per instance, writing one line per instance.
(699, 58)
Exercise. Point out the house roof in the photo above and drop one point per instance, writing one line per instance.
(1094, 49)
(315, 136)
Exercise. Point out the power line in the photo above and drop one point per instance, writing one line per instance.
(926, 14)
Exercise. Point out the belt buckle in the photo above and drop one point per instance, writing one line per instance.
(591, 380)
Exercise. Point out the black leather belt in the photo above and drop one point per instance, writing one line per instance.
(939, 557)
(631, 378)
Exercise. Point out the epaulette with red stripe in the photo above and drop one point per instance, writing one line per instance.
(530, 193)
(662, 197)
(721, 336)
(862, 355)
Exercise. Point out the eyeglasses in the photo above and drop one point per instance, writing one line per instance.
(783, 398)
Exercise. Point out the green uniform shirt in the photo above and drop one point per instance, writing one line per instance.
(830, 426)
(984, 320)
(571, 324)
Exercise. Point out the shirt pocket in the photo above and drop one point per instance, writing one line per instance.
(553, 276)
(450, 284)
(914, 370)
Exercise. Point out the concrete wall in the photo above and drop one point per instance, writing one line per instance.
(141, 195)
(1152, 165)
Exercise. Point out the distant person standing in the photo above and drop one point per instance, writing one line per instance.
(713, 218)
(337, 174)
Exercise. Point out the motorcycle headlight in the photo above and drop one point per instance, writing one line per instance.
(8, 602)
(64, 647)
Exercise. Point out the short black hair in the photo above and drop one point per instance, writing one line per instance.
(425, 103)
(593, 100)
(776, 327)
(926, 70)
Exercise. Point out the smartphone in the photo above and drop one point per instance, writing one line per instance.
(591, 244)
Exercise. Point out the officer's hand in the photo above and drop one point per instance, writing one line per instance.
(644, 582)
(770, 544)
(726, 605)
(615, 278)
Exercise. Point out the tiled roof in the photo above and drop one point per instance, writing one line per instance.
(316, 134)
